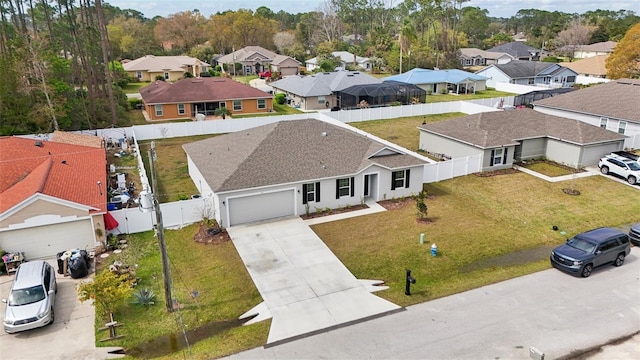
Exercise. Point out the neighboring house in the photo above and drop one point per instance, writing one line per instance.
(505, 137)
(590, 67)
(442, 81)
(518, 50)
(317, 91)
(529, 73)
(254, 59)
(53, 196)
(170, 68)
(476, 57)
(285, 65)
(188, 97)
(346, 59)
(591, 50)
(297, 167)
(614, 106)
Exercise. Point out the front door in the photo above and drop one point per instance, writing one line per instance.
(370, 186)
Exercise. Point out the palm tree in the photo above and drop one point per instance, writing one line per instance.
(407, 35)
(222, 111)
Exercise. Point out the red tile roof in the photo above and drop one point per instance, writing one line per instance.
(63, 171)
(199, 90)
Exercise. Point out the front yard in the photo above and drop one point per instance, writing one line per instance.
(487, 229)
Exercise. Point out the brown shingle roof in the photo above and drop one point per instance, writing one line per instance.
(198, 90)
(594, 65)
(76, 139)
(161, 63)
(64, 171)
(619, 99)
(286, 152)
(504, 128)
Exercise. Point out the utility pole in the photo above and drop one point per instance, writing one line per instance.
(166, 273)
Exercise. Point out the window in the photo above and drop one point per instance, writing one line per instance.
(159, 110)
(310, 193)
(603, 122)
(400, 179)
(139, 75)
(321, 100)
(344, 187)
(181, 109)
(498, 157)
(262, 103)
(237, 105)
(222, 104)
(166, 76)
(571, 78)
(622, 126)
(531, 81)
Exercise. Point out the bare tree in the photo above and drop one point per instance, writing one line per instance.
(573, 37)
(284, 40)
(329, 24)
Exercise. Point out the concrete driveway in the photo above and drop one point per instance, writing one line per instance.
(71, 336)
(305, 288)
(556, 313)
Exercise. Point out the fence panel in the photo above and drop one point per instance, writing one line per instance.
(449, 169)
(175, 214)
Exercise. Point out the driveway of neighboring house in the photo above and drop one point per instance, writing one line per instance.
(71, 336)
(305, 288)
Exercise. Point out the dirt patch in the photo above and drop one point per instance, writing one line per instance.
(496, 172)
(511, 259)
(211, 234)
(395, 204)
(571, 191)
(327, 212)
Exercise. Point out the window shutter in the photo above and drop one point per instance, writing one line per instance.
(406, 178)
(318, 192)
(504, 157)
(393, 180)
(304, 193)
(337, 188)
(491, 159)
(353, 186)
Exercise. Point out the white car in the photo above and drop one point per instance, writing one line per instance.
(621, 166)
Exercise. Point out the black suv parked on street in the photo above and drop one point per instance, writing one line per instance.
(590, 249)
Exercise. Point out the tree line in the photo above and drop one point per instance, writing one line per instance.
(59, 59)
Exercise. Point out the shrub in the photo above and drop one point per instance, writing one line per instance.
(281, 98)
(144, 297)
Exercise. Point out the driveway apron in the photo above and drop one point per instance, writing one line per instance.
(304, 286)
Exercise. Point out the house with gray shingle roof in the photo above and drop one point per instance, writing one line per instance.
(529, 73)
(346, 59)
(297, 167)
(254, 59)
(317, 91)
(285, 65)
(476, 57)
(518, 51)
(614, 106)
(170, 68)
(188, 97)
(507, 137)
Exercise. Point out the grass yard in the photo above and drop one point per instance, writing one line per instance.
(134, 87)
(171, 167)
(549, 168)
(489, 93)
(477, 223)
(486, 229)
(402, 131)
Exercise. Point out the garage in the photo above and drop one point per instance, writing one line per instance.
(261, 207)
(591, 154)
(48, 240)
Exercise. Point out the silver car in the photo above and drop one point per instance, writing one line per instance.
(31, 298)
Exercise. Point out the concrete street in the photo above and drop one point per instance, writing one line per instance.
(549, 310)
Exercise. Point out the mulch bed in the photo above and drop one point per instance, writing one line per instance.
(496, 172)
(318, 214)
(211, 234)
(395, 204)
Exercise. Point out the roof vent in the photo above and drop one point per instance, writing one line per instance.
(39, 144)
(64, 162)
(324, 133)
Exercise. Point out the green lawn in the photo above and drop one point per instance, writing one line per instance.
(489, 93)
(134, 87)
(487, 229)
(549, 168)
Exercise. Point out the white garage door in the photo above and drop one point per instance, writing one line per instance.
(261, 207)
(48, 240)
(592, 154)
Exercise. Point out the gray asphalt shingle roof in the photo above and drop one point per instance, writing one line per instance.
(504, 128)
(323, 83)
(516, 49)
(286, 152)
(619, 99)
(523, 69)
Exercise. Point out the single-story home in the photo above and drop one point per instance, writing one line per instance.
(442, 81)
(318, 91)
(296, 167)
(346, 59)
(519, 51)
(53, 196)
(614, 106)
(534, 73)
(285, 65)
(188, 97)
(476, 57)
(590, 67)
(591, 50)
(171, 68)
(506, 137)
(254, 59)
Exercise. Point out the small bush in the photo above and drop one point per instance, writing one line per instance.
(144, 297)
(281, 98)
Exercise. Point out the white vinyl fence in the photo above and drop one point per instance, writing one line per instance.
(632, 142)
(449, 169)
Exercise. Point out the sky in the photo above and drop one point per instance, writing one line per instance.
(497, 8)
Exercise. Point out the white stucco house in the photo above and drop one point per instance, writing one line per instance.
(506, 137)
(296, 167)
(523, 72)
(346, 58)
(614, 106)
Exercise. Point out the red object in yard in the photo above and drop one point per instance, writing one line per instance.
(264, 74)
(110, 222)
